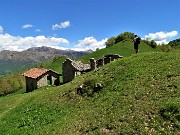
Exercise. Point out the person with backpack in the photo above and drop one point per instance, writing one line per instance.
(136, 41)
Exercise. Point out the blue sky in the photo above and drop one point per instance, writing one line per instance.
(84, 24)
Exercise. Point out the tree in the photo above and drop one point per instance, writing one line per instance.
(110, 42)
(153, 44)
(175, 43)
(11, 83)
(124, 36)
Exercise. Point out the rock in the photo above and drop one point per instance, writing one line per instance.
(97, 87)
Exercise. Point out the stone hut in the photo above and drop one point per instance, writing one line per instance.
(36, 78)
(71, 68)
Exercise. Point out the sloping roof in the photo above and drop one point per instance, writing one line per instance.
(36, 72)
(79, 66)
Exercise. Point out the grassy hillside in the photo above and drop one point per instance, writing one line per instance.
(124, 48)
(55, 64)
(140, 95)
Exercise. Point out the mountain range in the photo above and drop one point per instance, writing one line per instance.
(11, 61)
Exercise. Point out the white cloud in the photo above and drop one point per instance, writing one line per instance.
(17, 43)
(1, 29)
(27, 26)
(161, 37)
(37, 30)
(62, 25)
(90, 43)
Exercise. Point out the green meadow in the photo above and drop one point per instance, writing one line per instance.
(140, 95)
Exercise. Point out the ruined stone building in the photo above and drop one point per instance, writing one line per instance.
(94, 64)
(36, 78)
(70, 68)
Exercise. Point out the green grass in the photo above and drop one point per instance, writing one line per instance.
(140, 95)
(123, 48)
(55, 64)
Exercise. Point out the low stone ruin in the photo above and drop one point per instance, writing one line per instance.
(105, 60)
(71, 68)
(97, 87)
(86, 90)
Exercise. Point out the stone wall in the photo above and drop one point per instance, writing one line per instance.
(31, 84)
(42, 81)
(93, 64)
(68, 71)
(105, 60)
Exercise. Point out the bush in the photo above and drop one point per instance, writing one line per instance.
(10, 84)
(121, 37)
(110, 42)
(175, 43)
(151, 43)
(124, 36)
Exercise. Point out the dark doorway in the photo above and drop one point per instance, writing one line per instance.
(49, 80)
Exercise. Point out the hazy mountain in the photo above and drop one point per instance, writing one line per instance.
(11, 61)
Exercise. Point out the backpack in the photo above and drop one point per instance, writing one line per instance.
(138, 40)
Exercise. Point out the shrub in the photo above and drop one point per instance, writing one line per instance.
(151, 43)
(110, 42)
(124, 36)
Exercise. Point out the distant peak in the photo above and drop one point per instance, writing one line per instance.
(41, 49)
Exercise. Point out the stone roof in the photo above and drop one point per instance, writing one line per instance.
(79, 66)
(37, 72)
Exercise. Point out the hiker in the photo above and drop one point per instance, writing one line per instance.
(136, 41)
